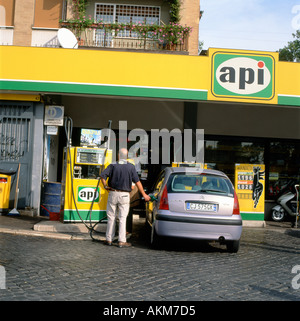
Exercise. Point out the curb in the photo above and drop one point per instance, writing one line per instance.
(55, 235)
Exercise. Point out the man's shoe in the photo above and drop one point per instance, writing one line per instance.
(107, 242)
(124, 244)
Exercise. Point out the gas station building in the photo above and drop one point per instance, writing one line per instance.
(247, 103)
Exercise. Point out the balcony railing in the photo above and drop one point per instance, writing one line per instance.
(130, 37)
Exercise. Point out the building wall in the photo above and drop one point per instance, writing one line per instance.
(46, 22)
(23, 18)
(30, 17)
(37, 157)
(190, 16)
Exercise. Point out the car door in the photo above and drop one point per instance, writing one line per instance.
(155, 191)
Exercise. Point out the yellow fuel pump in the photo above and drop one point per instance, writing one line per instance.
(83, 198)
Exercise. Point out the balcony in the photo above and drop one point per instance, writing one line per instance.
(166, 38)
(6, 36)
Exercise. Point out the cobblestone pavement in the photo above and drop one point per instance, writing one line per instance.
(51, 269)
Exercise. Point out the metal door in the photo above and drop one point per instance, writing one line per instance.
(16, 119)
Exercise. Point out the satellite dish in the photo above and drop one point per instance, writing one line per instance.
(67, 39)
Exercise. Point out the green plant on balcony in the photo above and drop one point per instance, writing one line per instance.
(79, 8)
(79, 22)
(173, 34)
(174, 10)
(167, 35)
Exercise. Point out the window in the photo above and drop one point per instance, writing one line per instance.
(222, 154)
(284, 170)
(127, 13)
(7, 12)
(48, 13)
(199, 183)
(282, 159)
(121, 13)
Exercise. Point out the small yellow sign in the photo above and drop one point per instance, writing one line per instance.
(250, 189)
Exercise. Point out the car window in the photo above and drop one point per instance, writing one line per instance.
(199, 183)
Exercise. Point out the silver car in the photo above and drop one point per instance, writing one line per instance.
(197, 204)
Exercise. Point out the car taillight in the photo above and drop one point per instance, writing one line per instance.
(164, 203)
(236, 207)
(3, 180)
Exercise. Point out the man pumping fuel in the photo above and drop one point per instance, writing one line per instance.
(120, 176)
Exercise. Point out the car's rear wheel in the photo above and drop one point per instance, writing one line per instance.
(233, 246)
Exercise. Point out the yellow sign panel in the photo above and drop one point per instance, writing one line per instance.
(115, 73)
(20, 97)
(250, 189)
(221, 75)
(243, 76)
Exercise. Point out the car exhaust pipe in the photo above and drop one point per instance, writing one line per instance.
(222, 239)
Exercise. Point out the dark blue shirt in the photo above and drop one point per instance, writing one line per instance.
(121, 175)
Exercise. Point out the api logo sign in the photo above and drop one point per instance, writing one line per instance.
(248, 76)
(87, 194)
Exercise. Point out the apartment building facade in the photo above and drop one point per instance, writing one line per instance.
(35, 22)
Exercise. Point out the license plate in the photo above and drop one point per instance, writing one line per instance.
(205, 207)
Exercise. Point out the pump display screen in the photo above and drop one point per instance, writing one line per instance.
(89, 156)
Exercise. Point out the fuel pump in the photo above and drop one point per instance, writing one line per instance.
(83, 166)
(83, 199)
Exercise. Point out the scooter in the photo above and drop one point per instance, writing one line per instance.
(287, 206)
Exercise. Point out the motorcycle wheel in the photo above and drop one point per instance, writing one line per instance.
(278, 216)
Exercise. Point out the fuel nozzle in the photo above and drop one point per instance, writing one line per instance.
(153, 198)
